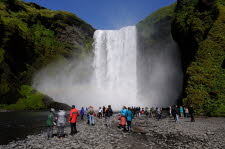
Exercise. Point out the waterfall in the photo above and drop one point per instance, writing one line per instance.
(115, 65)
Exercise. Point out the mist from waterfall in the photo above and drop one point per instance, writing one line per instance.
(112, 76)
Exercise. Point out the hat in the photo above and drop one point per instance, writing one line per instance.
(52, 110)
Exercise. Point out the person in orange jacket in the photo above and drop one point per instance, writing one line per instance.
(74, 113)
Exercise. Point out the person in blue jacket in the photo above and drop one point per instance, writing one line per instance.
(129, 116)
(123, 111)
(82, 113)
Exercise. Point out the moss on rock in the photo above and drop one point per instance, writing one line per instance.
(2, 52)
(31, 99)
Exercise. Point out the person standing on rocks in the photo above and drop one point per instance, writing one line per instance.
(191, 112)
(122, 118)
(103, 111)
(159, 112)
(74, 113)
(123, 122)
(170, 111)
(186, 111)
(151, 112)
(61, 122)
(133, 110)
(87, 115)
(129, 117)
(174, 112)
(181, 111)
(123, 111)
(50, 122)
(82, 113)
(91, 113)
(142, 111)
(100, 113)
(108, 114)
(137, 111)
(177, 113)
(146, 112)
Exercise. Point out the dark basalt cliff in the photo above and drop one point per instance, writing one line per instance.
(158, 65)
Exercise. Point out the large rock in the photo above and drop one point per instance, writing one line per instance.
(50, 103)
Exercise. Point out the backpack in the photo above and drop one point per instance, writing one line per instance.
(91, 112)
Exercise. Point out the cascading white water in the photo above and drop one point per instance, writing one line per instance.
(115, 65)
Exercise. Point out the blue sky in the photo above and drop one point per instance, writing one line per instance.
(107, 14)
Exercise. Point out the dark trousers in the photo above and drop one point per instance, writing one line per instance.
(82, 116)
(100, 115)
(88, 122)
(158, 116)
(129, 125)
(50, 131)
(174, 116)
(73, 128)
(192, 118)
(60, 132)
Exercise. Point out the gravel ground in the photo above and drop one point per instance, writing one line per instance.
(147, 133)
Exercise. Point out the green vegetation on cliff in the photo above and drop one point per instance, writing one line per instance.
(161, 19)
(31, 37)
(199, 29)
(30, 100)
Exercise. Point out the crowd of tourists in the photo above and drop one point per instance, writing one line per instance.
(177, 112)
(125, 116)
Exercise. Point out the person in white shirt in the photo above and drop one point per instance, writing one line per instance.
(100, 113)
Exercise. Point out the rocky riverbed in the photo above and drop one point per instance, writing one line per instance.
(147, 133)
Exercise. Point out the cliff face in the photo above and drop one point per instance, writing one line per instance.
(31, 37)
(199, 29)
(158, 65)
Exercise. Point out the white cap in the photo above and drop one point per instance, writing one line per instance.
(53, 110)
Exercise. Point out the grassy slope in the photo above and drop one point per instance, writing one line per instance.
(32, 37)
(150, 26)
(158, 15)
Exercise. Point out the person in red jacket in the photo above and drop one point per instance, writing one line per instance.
(123, 122)
(74, 113)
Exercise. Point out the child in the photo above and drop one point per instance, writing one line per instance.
(123, 122)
